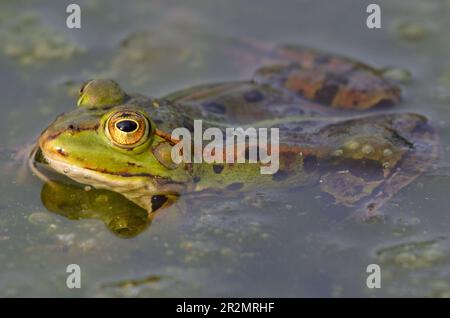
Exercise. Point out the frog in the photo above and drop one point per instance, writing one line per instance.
(338, 131)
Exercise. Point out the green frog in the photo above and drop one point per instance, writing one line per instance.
(336, 126)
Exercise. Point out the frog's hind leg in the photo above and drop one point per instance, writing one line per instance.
(419, 158)
(327, 79)
(376, 157)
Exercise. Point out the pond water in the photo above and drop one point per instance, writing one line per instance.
(289, 244)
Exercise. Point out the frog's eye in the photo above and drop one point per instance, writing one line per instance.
(127, 129)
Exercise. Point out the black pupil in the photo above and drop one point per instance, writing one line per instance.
(127, 125)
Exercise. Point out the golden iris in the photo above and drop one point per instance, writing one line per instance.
(127, 128)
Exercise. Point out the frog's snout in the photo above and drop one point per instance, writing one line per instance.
(49, 145)
(45, 143)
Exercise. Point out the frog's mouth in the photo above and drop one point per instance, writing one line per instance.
(83, 175)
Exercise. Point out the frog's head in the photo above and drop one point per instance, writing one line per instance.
(111, 142)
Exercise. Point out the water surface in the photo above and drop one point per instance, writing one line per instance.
(264, 244)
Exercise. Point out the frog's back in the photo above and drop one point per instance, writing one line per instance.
(294, 82)
(318, 100)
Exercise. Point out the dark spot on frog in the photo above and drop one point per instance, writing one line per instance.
(253, 96)
(158, 201)
(132, 164)
(280, 175)
(310, 163)
(196, 179)
(214, 107)
(339, 79)
(218, 168)
(326, 93)
(76, 129)
(235, 186)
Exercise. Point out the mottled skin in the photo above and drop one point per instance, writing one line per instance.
(315, 99)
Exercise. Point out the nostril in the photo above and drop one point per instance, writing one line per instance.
(61, 151)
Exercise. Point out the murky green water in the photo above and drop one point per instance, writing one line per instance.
(288, 244)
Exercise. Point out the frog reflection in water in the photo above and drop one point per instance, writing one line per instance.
(324, 106)
(122, 217)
